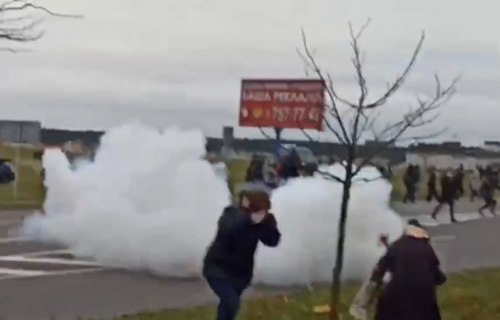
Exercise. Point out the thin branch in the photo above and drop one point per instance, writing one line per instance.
(22, 28)
(310, 61)
(307, 135)
(7, 6)
(330, 176)
(413, 119)
(265, 134)
(365, 118)
(14, 50)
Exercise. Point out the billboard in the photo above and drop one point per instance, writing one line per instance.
(287, 103)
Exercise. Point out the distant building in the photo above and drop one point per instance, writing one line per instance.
(14, 131)
(451, 155)
(492, 146)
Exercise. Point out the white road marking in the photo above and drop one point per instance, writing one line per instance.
(45, 253)
(16, 239)
(443, 218)
(20, 258)
(21, 272)
(50, 274)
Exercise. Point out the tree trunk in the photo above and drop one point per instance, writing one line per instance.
(335, 288)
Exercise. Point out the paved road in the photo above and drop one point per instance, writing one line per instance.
(425, 208)
(39, 282)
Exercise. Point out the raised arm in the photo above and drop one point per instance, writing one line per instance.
(232, 220)
(268, 231)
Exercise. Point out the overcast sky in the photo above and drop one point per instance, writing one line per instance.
(179, 62)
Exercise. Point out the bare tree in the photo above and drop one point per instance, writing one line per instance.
(19, 20)
(350, 121)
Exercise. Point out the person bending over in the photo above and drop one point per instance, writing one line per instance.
(415, 272)
(229, 261)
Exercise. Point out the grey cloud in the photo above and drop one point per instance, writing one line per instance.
(166, 64)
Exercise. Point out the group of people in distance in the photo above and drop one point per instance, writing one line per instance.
(273, 171)
(410, 260)
(481, 182)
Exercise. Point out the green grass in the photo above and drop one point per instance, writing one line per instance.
(30, 193)
(471, 295)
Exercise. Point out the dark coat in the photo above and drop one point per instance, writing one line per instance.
(431, 182)
(291, 166)
(415, 273)
(409, 177)
(448, 188)
(6, 174)
(231, 254)
(488, 186)
(255, 171)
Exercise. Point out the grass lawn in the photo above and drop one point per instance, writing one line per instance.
(471, 295)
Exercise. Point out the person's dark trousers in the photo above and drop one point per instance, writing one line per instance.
(460, 191)
(473, 194)
(229, 295)
(431, 194)
(489, 203)
(410, 193)
(450, 202)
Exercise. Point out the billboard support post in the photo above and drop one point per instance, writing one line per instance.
(278, 132)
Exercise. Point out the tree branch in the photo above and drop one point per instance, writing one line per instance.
(414, 118)
(265, 134)
(330, 176)
(307, 135)
(364, 119)
(22, 26)
(332, 109)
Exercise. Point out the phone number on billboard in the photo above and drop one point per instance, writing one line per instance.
(297, 114)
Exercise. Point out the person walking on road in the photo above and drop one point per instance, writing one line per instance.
(229, 261)
(448, 195)
(431, 185)
(487, 191)
(458, 177)
(410, 184)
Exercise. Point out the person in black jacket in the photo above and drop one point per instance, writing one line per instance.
(409, 181)
(292, 165)
(448, 195)
(487, 190)
(431, 185)
(255, 171)
(459, 181)
(415, 275)
(229, 262)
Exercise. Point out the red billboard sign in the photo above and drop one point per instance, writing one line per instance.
(293, 103)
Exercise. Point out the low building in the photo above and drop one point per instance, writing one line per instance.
(451, 155)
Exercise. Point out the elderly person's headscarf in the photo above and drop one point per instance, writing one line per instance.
(416, 230)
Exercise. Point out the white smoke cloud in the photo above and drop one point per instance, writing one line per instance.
(150, 202)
